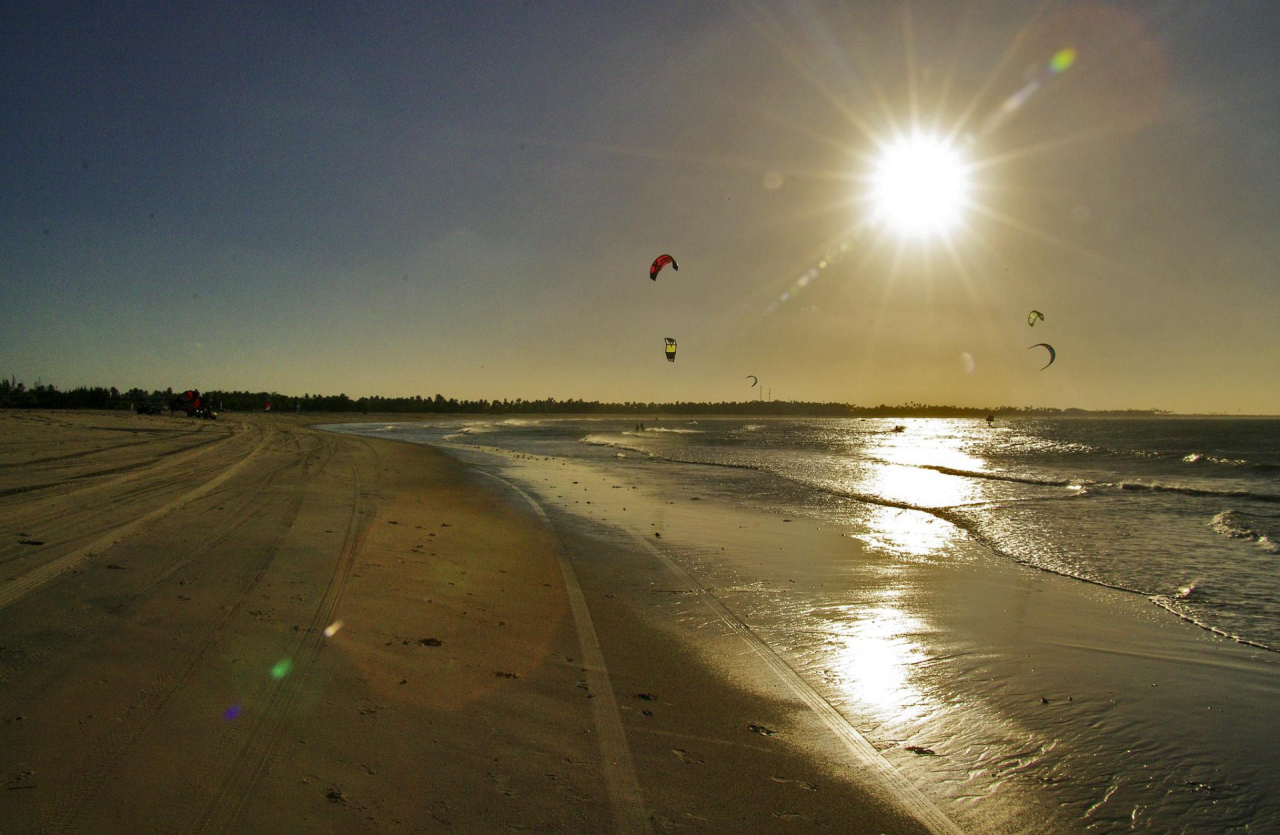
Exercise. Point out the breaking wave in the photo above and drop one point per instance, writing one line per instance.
(1201, 458)
(613, 442)
(1234, 524)
(1153, 487)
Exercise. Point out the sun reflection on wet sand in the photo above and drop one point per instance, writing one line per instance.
(910, 534)
(874, 654)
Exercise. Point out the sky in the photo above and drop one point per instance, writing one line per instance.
(407, 198)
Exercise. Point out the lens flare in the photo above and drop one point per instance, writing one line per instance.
(1062, 60)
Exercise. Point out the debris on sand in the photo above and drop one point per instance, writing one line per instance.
(760, 729)
(431, 642)
(921, 751)
(22, 780)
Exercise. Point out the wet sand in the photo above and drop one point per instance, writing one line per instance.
(248, 625)
(1013, 699)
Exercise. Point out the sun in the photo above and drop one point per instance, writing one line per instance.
(920, 186)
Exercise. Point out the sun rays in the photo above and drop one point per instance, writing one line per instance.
(928, 154)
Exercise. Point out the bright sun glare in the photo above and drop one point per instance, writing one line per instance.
(920, 186)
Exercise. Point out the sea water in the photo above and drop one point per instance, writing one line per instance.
(1182, 513)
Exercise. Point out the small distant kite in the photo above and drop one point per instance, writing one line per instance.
(754, 379)
(660, 262)
(1053, 355)
(1033, 316)
(671, 349)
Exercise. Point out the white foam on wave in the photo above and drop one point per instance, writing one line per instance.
(1182, 609)
(1158, 486)
(468, 431)
(674, 431)
(611, 441)
(1236, 525)
(1200, 458)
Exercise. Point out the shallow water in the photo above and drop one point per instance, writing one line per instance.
(1020, 699)
(1183, 510)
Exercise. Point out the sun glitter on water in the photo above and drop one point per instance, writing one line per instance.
(920, 186)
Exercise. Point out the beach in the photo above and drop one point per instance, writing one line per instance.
(912, 592)
(249, 625)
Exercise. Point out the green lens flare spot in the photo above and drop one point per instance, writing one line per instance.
(281, 668)
(1062, 61)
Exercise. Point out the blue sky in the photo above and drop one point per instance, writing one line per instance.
(402, 198)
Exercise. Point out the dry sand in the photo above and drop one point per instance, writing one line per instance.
(246, 625)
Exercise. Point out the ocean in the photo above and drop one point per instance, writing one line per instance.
(1150, 548)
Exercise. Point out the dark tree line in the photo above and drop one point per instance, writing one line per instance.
(14, 394)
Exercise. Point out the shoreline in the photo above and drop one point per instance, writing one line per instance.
(185, 638)
(294, 630)
(1025, 693)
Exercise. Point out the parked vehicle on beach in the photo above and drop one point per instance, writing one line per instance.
(193, 404)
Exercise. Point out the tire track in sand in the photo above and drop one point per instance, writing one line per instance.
(247, 511)
(166, 459)
(23, 585)
(108, 500)
(63, 812)
(249, 757)
(629, 812)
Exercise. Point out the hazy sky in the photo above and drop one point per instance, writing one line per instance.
(412, 198)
